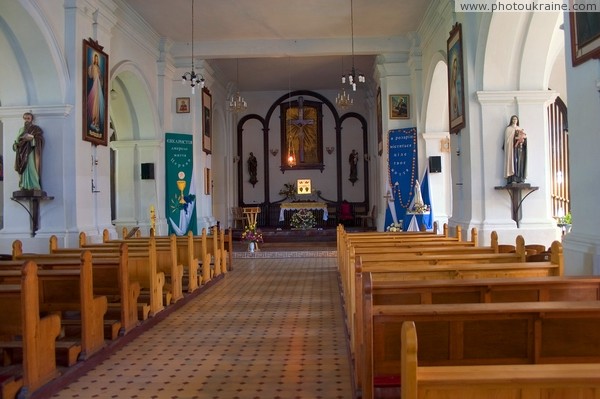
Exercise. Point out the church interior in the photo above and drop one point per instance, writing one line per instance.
(289, 142)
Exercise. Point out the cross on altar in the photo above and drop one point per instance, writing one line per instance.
(300, 123)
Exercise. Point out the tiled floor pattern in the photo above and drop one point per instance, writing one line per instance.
(273, 328)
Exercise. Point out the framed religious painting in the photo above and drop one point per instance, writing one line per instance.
(456, 88)
(379, 123)
(182, 105)
(585, 36)
(399, 106)
(206, 121)
(95, 93)
(301, 135)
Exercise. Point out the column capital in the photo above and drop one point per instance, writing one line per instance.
(520, 96)
(38, 111)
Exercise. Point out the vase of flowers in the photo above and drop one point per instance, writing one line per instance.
(252, 236)
(303, 219)
(394, 228)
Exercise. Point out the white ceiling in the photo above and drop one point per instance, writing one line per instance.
(283, 44)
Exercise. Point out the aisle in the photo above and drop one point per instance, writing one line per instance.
(273, 328)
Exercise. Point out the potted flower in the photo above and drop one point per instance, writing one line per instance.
(303, 219)
(252, 236)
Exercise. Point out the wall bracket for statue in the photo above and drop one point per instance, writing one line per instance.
(30, 201)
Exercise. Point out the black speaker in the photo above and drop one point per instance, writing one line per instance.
(435, 164)
(147, 171)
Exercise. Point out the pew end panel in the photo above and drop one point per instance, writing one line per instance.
(527, 381)
(21, 316)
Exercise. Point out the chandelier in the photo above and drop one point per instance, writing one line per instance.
(237, 102)
(194, 78)
(352, 77)
(343, 99)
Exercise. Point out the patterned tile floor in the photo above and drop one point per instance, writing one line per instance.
(272, 328)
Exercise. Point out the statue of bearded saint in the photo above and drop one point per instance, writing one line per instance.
(28, 160)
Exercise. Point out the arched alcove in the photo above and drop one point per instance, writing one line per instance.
(136, 140)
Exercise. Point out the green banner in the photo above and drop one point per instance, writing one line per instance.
(180, 190)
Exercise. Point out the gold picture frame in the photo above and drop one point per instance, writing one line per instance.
(456, 86)
(207, 182)
(304, 140)
(182, 105)
(95, 93)
(206, 121)
(399, 106)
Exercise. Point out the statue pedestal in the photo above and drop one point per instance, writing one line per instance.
(30, 201)
(515, 190)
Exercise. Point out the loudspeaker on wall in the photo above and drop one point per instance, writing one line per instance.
(435, 164)
(147, 171)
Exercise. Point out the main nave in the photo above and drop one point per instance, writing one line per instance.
(271, 328)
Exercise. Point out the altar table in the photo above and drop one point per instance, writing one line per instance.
(295, 206)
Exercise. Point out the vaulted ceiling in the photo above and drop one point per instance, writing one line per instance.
(281, 44)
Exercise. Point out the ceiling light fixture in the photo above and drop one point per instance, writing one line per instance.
(194, 78)
(353, 78)
(343, 99)
(237, 102)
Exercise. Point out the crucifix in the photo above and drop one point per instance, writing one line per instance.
(388, 196)
(300, 123)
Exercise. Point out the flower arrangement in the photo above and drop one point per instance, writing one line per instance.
(303, 219)
(419, 208)
(394, 228)
(288, 191)
(252, 234)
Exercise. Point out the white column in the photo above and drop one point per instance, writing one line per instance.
(536, 224)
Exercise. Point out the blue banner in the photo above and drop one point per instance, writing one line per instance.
(403, 168)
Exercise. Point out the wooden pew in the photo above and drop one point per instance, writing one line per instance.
(65, 287)
(345, 239)
(421, 274)
(111, 278)
(19, 307)
(166, 259)
(482, 333)
(210, 249)
(185, 254)
(526, 381)
(226, 246)
(199, 251)
(396, 241)
(141, 265)
(422, 260)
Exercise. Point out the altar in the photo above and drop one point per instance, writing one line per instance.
(414, 221)
(295, 206)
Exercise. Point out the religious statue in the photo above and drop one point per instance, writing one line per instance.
(515, 152)
(252, 169)
(353, 160)
(28, 160)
